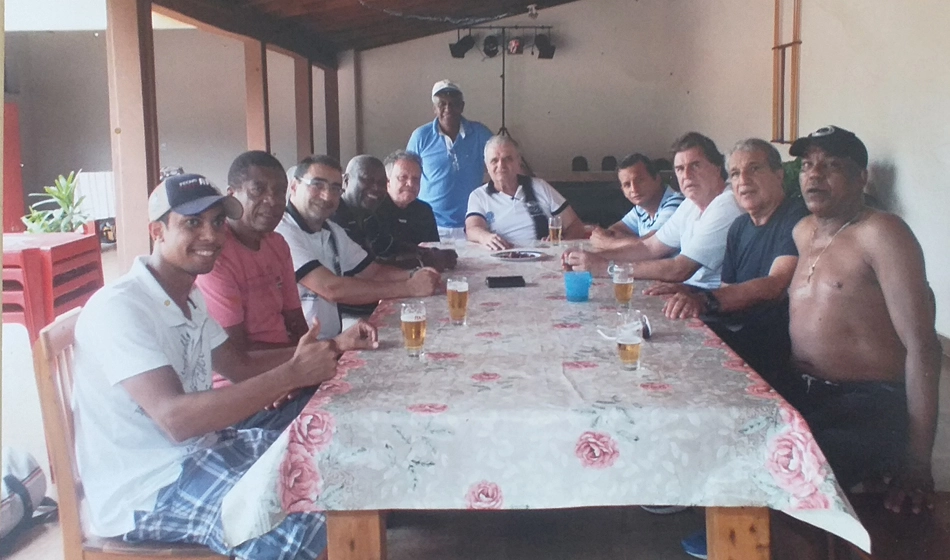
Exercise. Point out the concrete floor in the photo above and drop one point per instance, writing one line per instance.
(588, 534)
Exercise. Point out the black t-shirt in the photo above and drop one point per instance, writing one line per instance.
(362, 227)
(751, 249)
(403, 227)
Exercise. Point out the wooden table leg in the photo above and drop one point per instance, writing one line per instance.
(737, 533)
(356, 535)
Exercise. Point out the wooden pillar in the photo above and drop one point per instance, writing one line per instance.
(133, 118)
(738, 533)
(303, 107)
(332, 88)
(356, 535)
(255, 78)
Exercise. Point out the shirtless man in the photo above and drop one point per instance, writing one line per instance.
(862, 327)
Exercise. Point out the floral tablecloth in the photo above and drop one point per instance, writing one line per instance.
(527, 407)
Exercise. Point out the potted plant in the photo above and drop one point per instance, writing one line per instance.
(59, 211)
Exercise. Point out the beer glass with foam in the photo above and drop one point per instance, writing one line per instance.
(630, 339)
(413, 318)
(622, 276)
(555, 230)
(457, 290)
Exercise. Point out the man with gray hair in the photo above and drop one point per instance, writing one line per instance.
(405, 221)
(513, 210)
(451, 151)
(749, 310)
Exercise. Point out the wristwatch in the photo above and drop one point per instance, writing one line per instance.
(712, 302)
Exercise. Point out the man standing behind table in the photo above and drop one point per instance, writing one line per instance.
(696, 231)
(864, 348)
(408, 221)
(154, 444)
(451, 148)
(749, 311)
(512, 210)
(653, 202)
(330, 267)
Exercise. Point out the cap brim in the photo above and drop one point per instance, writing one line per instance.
(446, 89)
(232, 208)
(799, 146)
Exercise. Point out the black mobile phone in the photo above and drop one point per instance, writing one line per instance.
(505, 281)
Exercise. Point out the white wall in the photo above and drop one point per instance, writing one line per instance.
(876, 67)
(626, 76)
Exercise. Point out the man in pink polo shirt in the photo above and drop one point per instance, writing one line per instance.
(252, 291)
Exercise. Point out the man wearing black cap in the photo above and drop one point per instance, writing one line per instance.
(864, 348)
(154, 444)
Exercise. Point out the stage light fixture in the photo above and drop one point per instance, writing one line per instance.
(545, 48)
(490, 46)
(515, 45)
(461, 47)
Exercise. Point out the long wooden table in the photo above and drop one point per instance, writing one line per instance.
(527, 407)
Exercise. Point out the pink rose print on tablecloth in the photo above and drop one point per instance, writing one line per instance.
(490, 304)
(299, 480)
(567, 325)
(814, 501)
(795, 463)
(349, 361)
(485, 377)
(580, 365)
(695, 324)
(791, 416)
(489, 334)
(714, 342)
(556, 298)
(484, 495)
(428, 408)
(596, 450)
(655, 386)
(334, 387)
(737, 364)
(313, 430)
(317, 401)
(439, 356)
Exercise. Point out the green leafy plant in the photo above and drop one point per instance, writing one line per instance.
(59, 210)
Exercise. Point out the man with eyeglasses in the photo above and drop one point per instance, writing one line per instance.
(331, 268)
(451, 148)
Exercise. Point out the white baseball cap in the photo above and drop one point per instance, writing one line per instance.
(445, 85)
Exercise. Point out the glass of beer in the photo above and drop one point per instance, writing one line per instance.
(457, 289)
(622, 276)
(630, 339)
(554, 230)
(414, 326)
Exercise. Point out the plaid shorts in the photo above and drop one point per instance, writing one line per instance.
(189, 510)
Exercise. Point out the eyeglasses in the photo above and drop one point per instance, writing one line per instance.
(321, 184)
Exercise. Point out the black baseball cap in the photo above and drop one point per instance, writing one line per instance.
(836, 141)
(189, 195)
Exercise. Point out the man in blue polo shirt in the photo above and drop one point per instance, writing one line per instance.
(451, 148)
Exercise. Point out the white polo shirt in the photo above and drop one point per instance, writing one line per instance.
(507, 216)
(701, 236)
(128, 328)
(331, 248)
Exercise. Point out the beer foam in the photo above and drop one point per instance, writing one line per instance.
(457, 286)
(412, 317)
(629, 339)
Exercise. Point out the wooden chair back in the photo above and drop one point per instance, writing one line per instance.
(53, 364)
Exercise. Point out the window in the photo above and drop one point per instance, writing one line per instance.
(786, 61)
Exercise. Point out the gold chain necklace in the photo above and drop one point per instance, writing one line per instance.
(814, 263)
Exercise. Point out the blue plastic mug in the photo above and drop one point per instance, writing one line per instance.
(577, 285)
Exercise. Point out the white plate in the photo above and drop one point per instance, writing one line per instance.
(518, 255)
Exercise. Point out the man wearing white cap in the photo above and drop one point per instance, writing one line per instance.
(451, 148)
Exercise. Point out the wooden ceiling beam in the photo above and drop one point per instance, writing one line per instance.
(252, 24)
